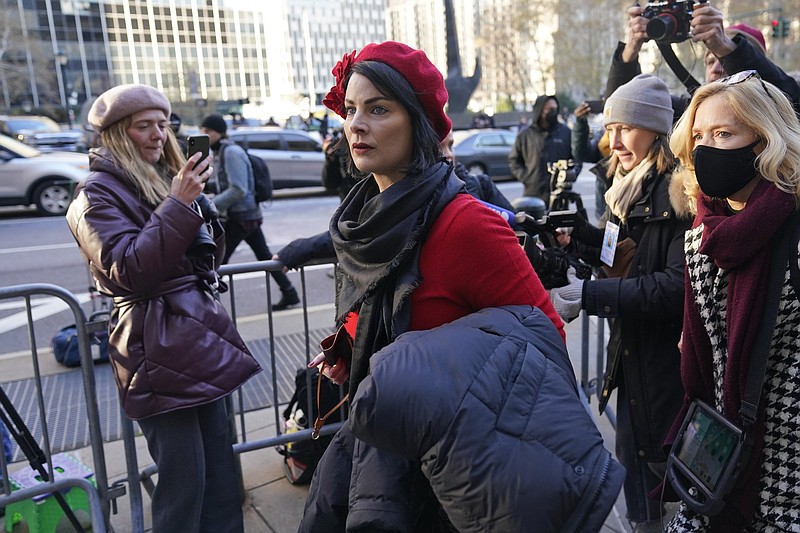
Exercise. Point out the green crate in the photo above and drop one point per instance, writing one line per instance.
(43, 514)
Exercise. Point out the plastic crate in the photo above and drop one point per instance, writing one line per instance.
(43, 514)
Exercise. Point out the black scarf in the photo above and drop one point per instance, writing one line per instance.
(377, 237)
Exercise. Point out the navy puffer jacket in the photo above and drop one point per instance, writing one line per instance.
(489, 405)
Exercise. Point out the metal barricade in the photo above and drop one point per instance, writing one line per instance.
(590, 378)
(236, 403)
(99, 498)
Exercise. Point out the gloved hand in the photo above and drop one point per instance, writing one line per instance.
(568, 300)
(207, 208)
(579, 230)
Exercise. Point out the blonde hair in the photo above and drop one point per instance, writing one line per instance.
(151, 181)
(659, 151)
(770, 117)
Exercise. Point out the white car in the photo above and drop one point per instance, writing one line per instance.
(47, 180)
(42, 133)
(294, 158)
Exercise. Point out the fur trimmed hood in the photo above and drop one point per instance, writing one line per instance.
(681, 197)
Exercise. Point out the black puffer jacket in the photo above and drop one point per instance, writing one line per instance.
(488, 404)
(646, 309)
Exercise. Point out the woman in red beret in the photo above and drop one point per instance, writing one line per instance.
(415, 251)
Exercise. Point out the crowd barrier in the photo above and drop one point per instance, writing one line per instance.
(589, 375)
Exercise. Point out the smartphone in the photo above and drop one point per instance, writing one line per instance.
(197, 143)
(595, 106)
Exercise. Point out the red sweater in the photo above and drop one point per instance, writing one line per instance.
(471, 259)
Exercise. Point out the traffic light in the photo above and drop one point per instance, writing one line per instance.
(780, 28)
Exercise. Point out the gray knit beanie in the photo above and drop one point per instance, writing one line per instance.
(644, 102)
(123, 101)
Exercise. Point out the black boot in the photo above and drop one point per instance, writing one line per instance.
(288, 299)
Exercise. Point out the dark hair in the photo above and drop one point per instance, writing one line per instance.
(393, 85)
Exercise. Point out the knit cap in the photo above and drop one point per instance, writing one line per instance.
(123, 101)
(215, 122)
(644, 102)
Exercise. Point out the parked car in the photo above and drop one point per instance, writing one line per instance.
(42, 133)
(485, 151)
(294, 158)
(47, 180)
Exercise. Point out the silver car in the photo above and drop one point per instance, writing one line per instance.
(485, 151)
(294, 158)
(47, 180)
(42, 133)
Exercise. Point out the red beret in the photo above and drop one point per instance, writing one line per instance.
(413, 65)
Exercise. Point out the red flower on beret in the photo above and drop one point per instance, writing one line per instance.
(334, 100)
(423, 76)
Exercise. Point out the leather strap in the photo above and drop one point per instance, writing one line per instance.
(320, 421)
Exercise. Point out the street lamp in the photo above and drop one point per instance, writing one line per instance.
(63, 62)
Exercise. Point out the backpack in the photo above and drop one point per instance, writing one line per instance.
(300, 458)
(65, 343)
(262, 181)
(261, 178)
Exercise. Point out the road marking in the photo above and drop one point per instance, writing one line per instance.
(46, 307)
(42, 248)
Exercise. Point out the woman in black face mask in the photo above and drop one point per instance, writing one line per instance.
(740, 142)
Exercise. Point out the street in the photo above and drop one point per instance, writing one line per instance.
(37, 249)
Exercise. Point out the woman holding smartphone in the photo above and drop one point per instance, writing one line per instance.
(152, 240)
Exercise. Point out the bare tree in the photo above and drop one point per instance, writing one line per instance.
(584, 43)
(24, 62)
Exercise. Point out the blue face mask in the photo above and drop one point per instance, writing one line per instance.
(722, 173)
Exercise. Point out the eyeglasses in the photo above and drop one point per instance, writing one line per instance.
(743, 76)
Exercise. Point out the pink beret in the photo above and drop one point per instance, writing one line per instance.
(752, 34)
(413, 65)
(123, 101)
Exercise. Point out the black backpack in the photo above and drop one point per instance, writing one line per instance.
(263, 183)
(261, 178)
(301, 458)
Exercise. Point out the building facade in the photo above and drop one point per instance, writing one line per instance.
(275, 54)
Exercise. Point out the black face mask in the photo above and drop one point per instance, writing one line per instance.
(551, 118)
(721, 173)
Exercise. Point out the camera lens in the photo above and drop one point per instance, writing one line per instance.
(661, 27)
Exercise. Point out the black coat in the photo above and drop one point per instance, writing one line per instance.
(646, 310)
(489, 408)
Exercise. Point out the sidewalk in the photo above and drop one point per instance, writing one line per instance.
(272, 504)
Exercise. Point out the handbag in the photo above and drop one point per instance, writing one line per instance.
(338, 346)
(710, 451)
(65, 342)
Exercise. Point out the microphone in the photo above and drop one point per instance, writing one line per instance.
(507, 215)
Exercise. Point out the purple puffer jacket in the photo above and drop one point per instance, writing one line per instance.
(172, 345)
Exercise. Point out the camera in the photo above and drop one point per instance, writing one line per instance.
(563, 173)
(203, 242)
(551, 262)
(669, 21)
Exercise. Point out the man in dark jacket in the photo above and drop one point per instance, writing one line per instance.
(545, 141)
(737, 48)
(236, 201)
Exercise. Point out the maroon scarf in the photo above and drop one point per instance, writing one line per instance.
(742, 244)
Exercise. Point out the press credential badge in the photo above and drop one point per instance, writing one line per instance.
(609, 244)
